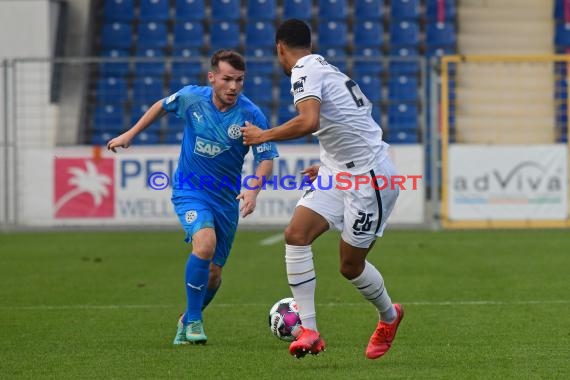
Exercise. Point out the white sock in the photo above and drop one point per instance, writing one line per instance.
(302, 281)
(371, 285)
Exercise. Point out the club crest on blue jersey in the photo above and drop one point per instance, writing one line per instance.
(234, 131)
(208, 148)
(191, 216)
(298, 85)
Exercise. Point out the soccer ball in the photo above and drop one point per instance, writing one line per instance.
(283, 318)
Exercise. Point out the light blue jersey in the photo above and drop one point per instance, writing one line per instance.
(212, 152)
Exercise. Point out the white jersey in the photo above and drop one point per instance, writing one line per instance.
(349, 138)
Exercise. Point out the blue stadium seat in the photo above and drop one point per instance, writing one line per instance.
(367, 52)
(259, 60)
(111, 90)
(188, 34)
(301, 9)
(118, 10)
(368, 9)
(152, 35)
(367, 60)
(440, 34)
(116, 35)
(403, 137)
(286, 112)
(332, 9)
(377, 114)
(153, 68)
(227, 10)
(405, 9)
(285, 90)
(266, 110)
(404, 33)
(147, 90)
(403, 88)
(108, 118)
(561, 89)
(186, 62)
(562, 35)
(189, 10)
(178, 82)
(441, 11)
(336, 57)
(174, 124)
(402, 116)
(404, 61)
(370, 85)
(368, 33)
(224, 35)
(154, 10)
(332, 34)
(261, 10)
(403, 51)
(101, 138)
(119, 68)
(258, 88)
(148, 137)
(260, 34)
(137, 111)
(175, 134)
(439, 51)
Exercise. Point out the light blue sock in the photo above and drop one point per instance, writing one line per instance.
(210, 293)
(197, 271)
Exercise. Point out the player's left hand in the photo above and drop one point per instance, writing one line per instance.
(251, 134)
(248, 198)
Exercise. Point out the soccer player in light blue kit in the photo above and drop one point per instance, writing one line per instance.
(206, 186)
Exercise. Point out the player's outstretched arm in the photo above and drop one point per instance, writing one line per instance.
(248, 196)
(306, 122)
(154, 113)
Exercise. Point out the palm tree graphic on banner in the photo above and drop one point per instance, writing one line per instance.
(88, 181)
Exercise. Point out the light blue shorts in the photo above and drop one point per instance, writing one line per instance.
(195, 214)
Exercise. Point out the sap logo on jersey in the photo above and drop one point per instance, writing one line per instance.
(207, 148)
(298, 85)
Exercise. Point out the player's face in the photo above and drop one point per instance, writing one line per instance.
(227, 84)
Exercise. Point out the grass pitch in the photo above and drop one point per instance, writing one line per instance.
(480, 304)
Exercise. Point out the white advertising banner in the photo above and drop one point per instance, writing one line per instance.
(507, 182)
(84, 186)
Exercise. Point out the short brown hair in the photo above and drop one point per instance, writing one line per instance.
(235, 59)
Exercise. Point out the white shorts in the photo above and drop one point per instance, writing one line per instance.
(359, 213)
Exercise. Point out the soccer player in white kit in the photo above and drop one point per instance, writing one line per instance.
(331, 106)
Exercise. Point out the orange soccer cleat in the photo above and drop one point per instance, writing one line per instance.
(381, 340)
(306, 341)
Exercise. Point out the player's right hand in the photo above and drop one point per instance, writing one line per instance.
(311, 172)
(119, 141)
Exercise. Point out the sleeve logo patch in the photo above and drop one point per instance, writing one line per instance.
(298, 86)
(171, 98)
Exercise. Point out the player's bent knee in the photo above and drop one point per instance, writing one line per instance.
(295, 236)
(351, 270)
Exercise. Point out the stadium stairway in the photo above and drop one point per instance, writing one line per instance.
(495, 100)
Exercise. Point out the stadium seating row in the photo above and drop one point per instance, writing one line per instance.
(161, 10)
(227, 34)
